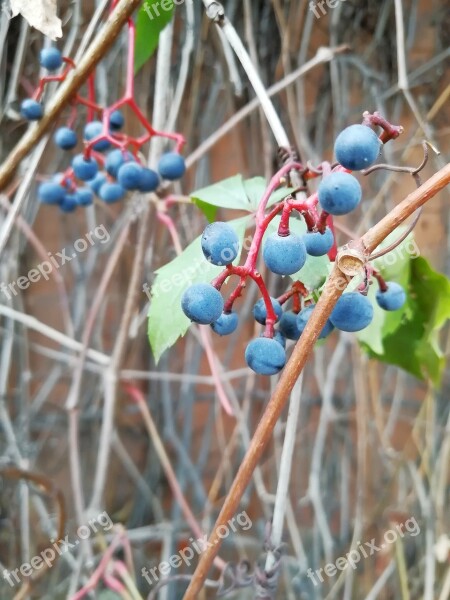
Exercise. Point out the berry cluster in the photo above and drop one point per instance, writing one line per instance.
(285, 253)
(111, 163)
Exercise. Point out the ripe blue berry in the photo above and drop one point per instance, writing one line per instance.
(265, 356)
(339, 193)
(51, 193)
(96, 183)
(116, 120)
(202, 303)
(304, 316)
(58, 178)
(284, 255)
(111, 192)
(69, 203)
(91, 131)
(288, 326)
(85, 196)
(353, 312)
(129, 175)
(171, 166)
(84, 169)
(115, 159)
(280, 338)
(393, 298)
(220, 244)
(65, 138)
(318, 244)
(149, 181)
(32, 110)
(226, 324)
(260, 313)
(357, 147)
(50, 58)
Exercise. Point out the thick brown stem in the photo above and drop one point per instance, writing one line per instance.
(69, 88)
(334, 288)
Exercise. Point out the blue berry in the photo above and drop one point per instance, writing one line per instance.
(93, 130)
(339, 193)
(171, 166)
(149, 181)
(50, 58)
(284, 255)
(260, 313)
(96, 183)
(129, 175)
(32, 110)
(85, 196)
(280, 338)
(69, 203)
(353, 312)
(357, 147)
(58, 178)
(84, 169)
(115, 160)
(202, 303)
(318, 244)
(303, 318)
(116, 120)
(288, 326)
(220, 244)
(51, 193)
(111, 192)
(65, 138)
(226, 324)
(393, 298)
(265, 356)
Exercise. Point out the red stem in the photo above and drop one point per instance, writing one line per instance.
(235, 295)
(390, 132)
(381, 281)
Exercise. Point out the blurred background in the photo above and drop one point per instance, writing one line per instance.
(120, 435)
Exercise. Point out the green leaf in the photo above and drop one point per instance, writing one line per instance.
(255, 189)
(237, 193)
(208, 210)
(228, 193)
(152, 18)
(395, 266)
(414, 344)
(166, 320)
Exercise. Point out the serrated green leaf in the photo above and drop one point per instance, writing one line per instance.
(255, 189)
(414, 344)
(237, 193)
(152, 18)
(166, 320)
(394, 266)
(228, 193)
(208, 210)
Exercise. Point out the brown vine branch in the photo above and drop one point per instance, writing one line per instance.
(102, 42)
(334, 288)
